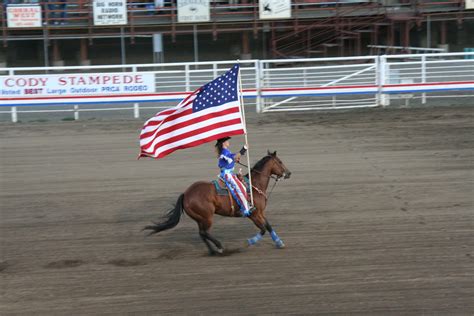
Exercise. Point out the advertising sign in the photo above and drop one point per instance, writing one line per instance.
(110, 12)
(274, 9)
(469, 4)
(193, 11)
(24, 15)
(76, 85)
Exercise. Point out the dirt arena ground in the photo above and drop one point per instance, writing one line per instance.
(377, 218)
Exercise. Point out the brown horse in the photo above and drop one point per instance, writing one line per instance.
(201, 201)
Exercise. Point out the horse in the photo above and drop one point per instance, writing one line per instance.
(201, 201)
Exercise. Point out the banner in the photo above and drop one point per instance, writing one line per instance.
(274, 9)
(193, 11)
(23, 15)
(110, 12)
(469, 4)
(76, 85)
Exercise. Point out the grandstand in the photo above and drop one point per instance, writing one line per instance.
(71, 32)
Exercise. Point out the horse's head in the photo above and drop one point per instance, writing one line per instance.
(278, 168)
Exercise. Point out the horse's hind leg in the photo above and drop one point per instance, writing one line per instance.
(278, 242)
(209, 240)
(220, 248)
(259, 221)
(203, 236)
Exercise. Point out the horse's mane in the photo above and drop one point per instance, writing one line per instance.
(259, 164)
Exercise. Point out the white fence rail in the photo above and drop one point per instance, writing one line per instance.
(273, 85)
(364, 81)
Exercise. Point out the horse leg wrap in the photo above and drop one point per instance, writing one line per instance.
(255, 239)
(278, 242)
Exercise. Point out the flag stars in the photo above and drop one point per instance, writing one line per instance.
(218, 92)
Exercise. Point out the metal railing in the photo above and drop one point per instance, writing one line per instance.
(364, 81)
(73, 15)
(269, 85)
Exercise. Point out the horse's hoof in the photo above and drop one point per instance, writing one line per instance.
(255, 239)
(252, 241)
(219, 251)
(280, 245)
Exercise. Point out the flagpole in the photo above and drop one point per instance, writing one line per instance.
(242, 110)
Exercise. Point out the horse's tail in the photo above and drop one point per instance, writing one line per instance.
(172, 218)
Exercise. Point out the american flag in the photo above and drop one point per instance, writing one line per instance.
(209, 113)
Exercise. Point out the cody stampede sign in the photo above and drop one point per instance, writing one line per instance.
(193, 11)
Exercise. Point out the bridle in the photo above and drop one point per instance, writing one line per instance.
(274, 177)
(271, 176)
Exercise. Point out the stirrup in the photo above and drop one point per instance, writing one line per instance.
(248, 212)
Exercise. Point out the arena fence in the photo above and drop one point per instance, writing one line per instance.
(269, 85)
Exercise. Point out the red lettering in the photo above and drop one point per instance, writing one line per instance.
(94, 80)
(33, 91)
(127, 79)
(26, 82)
(7, 82)
(43, 81)
(138, 79)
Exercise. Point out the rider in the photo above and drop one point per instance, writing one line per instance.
(226, 164)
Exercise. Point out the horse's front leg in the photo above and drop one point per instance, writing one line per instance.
(259, 221)
(278, 242)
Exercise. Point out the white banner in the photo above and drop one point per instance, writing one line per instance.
(193, 11)
(24, 15)
(76, 85)
(110, 12)
(469, 4)
(275, 9)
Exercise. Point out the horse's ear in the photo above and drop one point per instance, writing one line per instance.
(268, 152)
(274, 153)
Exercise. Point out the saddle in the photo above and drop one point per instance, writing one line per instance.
(221, 189)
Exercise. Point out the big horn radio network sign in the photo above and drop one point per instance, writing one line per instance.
(110, 12)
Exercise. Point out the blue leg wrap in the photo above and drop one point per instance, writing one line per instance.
(278, 242)
(254, 239)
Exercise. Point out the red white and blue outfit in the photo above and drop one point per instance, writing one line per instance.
(237, 189)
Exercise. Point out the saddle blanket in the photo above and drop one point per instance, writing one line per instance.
(223, 190)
